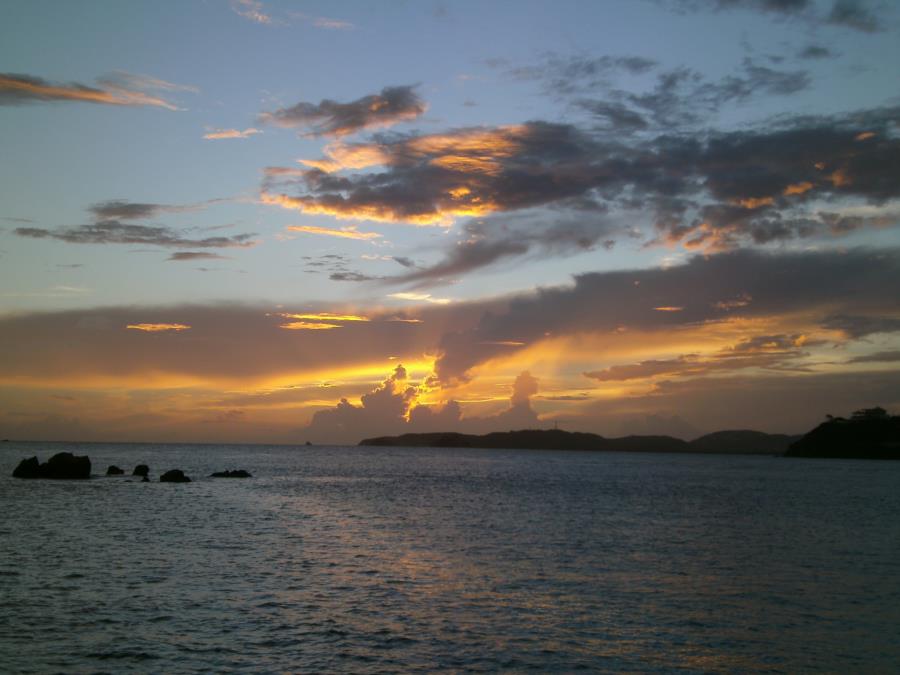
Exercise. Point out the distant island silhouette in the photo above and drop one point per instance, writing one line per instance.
(868, 434)
(721, 442)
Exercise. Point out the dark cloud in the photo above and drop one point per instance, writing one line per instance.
(409, 263)
(779, 6)
(704, 289)
(861, 325)
(878, 357)
(707, 190)
(120, 89)
(330, 118)
(351, 276)
(195, 255)
(116, 232)
(337, 267)
(118, 209)
(566, 75)
(683, 97)
(854, 14)
(491, 240)
(776, 352)
(816, 52)
(614, 116)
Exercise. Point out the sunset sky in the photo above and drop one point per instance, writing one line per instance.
(273, 221)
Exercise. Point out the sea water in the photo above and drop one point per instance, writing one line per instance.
(385, 560)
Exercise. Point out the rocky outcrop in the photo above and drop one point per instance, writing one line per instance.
(141, 470)
(174, 476)
(62, 466)
(113, 470)
(28, 468)
(239, 473)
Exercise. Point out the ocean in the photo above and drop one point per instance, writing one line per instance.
(386, 560)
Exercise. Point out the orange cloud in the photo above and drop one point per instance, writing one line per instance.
(342, 211)
(157, 327)
(865, 135)
(341, 156)
(839, 178)
(668, 309)
(230, 133)
(27, 88)
(344, 233)
(797, 188)
(755, 202)
(306, 325)
(326, 316)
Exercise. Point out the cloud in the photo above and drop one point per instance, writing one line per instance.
(116, 232)
(219, 134)
(491, 240)
(432, 179)
(351, 276)
(120, 209)
(330, 118)
(118, 89)
(343, 233)
(179, 256)
(764, 351)
(814, 51)
(878, 357)
(157, 327)
(810, 282)
(332, 24)
(565, 75)
(854, 14)
(252, 10)
(421, 297)
(392, 408)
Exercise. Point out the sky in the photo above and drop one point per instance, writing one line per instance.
(278, 222)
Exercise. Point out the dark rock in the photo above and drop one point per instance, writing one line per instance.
(65, 465)
(145, 479)
(113, 470)
(28, 468)
(239, 473)
(62, 466)
(174, 476)
(141, 470)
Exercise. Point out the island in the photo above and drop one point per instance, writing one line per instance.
(870, 433)
(722, 442)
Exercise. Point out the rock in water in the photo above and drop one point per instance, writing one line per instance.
(62, 466)
(28, 468)
(113, 470)
(239, 473)
(174, 476)
(141, 470)
(65, 465)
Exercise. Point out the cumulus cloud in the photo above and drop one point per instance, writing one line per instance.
(331, 118)
(120, 88)
(796, 178)
(392, 408)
